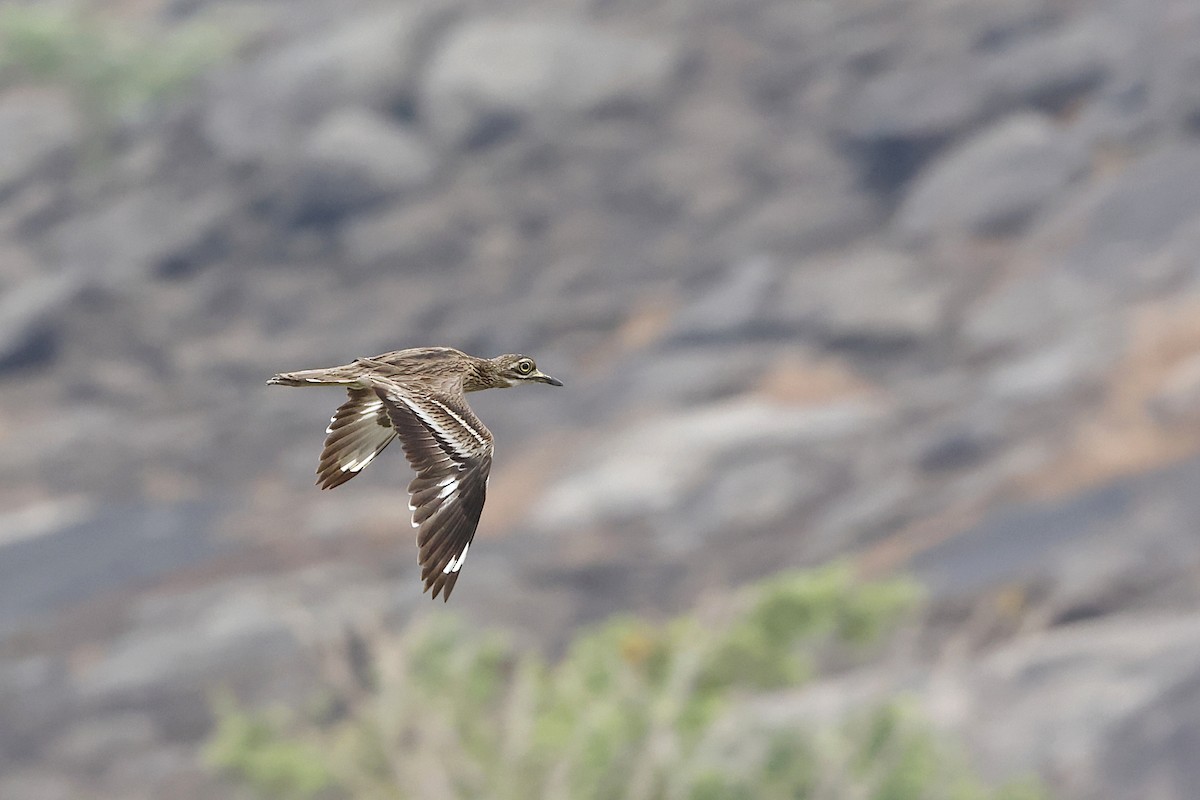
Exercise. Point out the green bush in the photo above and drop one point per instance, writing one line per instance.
(277, 766)
(632, 711)
(108, 70)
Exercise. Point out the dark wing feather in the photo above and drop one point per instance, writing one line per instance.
(358, 431)
(451, 451)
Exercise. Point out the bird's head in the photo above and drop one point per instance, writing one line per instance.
(516, 368)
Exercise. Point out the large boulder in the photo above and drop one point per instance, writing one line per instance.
(1050, 69)
(156, 229)
(1118, 227)
(34, 127)
(867, 297)
(352, 158)
(259, 109)
(490, 75)
(993, 183)
(30, 314)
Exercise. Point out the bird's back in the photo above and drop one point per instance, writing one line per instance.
(441, 367)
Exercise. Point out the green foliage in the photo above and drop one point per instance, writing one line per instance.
(108, 70)
(769, 648)
(254, 747)
(632, 711)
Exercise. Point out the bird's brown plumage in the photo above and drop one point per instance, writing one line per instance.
(418, 396)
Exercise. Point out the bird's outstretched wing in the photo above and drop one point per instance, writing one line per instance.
(358, 431)
(451, 451)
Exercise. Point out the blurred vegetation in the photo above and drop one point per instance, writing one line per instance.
(633, 711)
(110, 70)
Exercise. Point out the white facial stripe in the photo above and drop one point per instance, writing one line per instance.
(455, 564)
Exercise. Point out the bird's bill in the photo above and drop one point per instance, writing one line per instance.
(542, 377)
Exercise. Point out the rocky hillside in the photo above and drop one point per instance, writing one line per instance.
(905, 281)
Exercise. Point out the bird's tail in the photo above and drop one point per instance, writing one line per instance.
(312, 377)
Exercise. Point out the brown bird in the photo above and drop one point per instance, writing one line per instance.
(419, 395)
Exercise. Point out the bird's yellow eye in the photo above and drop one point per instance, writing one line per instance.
(525, 367)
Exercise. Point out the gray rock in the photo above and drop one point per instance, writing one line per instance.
(1052, 373)
(919, 104)
(159, 772)
(352, 158)
(225, 627)
(1131, 218)
(1031, 313)
(690, 375)
(956, 448)
(1045, 337)
(97, 742)
(995, 25)
(868, 296)
(649, 468)
(1178, 400)
(868, 508)
(379, 55)
(1183, 85)
(811, 216)
(420, 237)
(261, 110)
(1050, 69)
(157, 228)
(75, 552)
(490, 74)
(748, 495)
(34, 127)
(34, 783)
(29, 313)
(1153, 753)
(1136, 532)
(993, 183)
(1049, 703)
(731, 308)
(371, 149)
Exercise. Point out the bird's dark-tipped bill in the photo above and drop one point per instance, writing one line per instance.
(544, 378)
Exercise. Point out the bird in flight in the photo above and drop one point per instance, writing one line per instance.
(419, 395)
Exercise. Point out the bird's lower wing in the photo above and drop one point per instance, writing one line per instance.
(451, 451)
(358, 431)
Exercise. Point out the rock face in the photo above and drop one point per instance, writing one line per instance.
(493, 74)
(909, 282)
(352, 160)
(1137, 214)
(994, 183)
(35, 127)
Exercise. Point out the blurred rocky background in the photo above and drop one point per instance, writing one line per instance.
(912, 283)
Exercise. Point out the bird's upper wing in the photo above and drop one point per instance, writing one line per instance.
(451, 451)
(358, 431)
